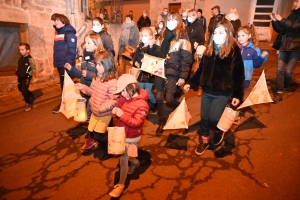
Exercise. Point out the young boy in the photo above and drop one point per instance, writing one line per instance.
(24, 71)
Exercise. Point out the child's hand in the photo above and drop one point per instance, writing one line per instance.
(68, 66)
(180, 82)
(117, 111)
(78, 86)
(196, 45)
(137, 64)
(83, 72)
(186, 88)
(264, 54)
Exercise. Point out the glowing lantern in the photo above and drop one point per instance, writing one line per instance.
(80, 112)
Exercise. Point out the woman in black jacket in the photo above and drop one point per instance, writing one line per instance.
(221, 76)
(288, 44)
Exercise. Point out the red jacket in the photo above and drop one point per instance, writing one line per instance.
(135, 112)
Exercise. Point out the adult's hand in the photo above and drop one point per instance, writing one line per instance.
(68, 66)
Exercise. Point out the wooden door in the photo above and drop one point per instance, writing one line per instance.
(174, 7)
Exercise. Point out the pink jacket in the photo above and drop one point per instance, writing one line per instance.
(102, 98)
(135, 113)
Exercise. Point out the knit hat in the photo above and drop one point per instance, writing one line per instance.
(123, 81)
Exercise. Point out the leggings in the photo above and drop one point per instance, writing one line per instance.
(124, 164)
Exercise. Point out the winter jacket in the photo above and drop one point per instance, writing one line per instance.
(289, 28)
(135, 112)
(139, 55)
(26, 67)
(64, 52)
(214, 20)
(102, 99)
(252, 59)
(162, 17)
(202, 22)
(196, 34)
(88, 65)
(219, 76)
(180, 58)
(132, 41)
(107, 42)
(143, 22)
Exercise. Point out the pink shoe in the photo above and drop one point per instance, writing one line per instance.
(89, 143)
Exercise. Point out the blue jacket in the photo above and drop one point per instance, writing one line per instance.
(64, 52)
(252, 59)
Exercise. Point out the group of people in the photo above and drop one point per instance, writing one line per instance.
(228, 56)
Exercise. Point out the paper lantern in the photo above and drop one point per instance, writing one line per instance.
(80, 112)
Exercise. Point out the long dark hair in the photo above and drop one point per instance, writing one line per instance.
(106, 59)
(101, 22)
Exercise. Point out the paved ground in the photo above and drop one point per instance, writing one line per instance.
(40, 155)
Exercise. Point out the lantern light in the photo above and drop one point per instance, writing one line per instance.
(80, 113)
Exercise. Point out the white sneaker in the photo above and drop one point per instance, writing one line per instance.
(117, 191)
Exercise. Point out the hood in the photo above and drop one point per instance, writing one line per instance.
(143, 95)
(67, 28)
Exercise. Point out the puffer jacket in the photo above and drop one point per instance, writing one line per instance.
(64, 52)
(219, 76)
(135, 112)
(289, 32)
(102, 99)
(180, 58)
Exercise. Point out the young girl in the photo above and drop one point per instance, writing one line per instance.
(130, 112)
(99, 27)
(177, 50)
(252, 57)
(92, 41)
(221, 74)
(102, 99)
(146, 46)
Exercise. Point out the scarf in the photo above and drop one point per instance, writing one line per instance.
(242, 47)
(169, 36)
(88, 56)
(125, 33)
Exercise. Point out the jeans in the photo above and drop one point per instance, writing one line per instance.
(286, 64)
(148, 87)
(212, 107)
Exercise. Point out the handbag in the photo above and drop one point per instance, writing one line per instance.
(116, 140)
(128, 52)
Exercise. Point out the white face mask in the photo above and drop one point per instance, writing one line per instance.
(97, 29)
(145, 40)
(190, 19)
(171, 25)
(145, 15)
(165, 13)
(219, 40)
(232, 16)
(160, 26)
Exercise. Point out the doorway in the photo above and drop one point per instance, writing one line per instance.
(174, 7)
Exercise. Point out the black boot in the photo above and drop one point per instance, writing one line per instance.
(152, 107)
(160, 130)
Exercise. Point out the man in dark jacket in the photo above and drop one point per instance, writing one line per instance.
(215, 19)
(65, 45)
(201, 20)
(144, 21)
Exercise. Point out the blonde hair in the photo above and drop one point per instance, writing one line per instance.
(149, 31)
(193, 12)
(250, 29)
(96, 39)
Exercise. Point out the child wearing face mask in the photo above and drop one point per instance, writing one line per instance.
(102, 100)
(99, 27)
(233, 18)
(177, 50)
(145, 79)
(221, 76)
(253, 58)
(160, 30)
(87, 71)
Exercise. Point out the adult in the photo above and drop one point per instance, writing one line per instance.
(216, 17)
(131, 13)
(144, 20)
(288, 45)
(201, 20)
(163, 16)
(221, 76)
(64, 49)
(129, 37)
(233, 17)
(177, 50)
(194, 30)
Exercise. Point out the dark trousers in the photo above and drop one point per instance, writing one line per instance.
(102, 138)
(23, 85)
(61, 72)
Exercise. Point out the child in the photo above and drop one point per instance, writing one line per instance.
(252, 57)
(99, 28)
(88, 70)
(24, 71)
(130, 112)
(177, 50)
(160, 30)
(146, 46)
(102, 99)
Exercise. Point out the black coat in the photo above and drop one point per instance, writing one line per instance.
(290, 29)
(219, 76)
(196, 34)
(143, 22)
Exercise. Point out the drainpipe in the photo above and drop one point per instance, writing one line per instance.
(72, 13)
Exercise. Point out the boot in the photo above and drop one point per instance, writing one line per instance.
(160, 130)
(152, 107)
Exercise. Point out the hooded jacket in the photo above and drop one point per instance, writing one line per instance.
(64, 52)
(135, 112)
(219, 76)
(26, 67)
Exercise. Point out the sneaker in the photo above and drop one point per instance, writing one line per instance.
(56, 109)
(201, 148)
(32, 99)
(278, 97)
(89, 143)
(27, 107)
(218, 138)
(117, 191)
(133, 167)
